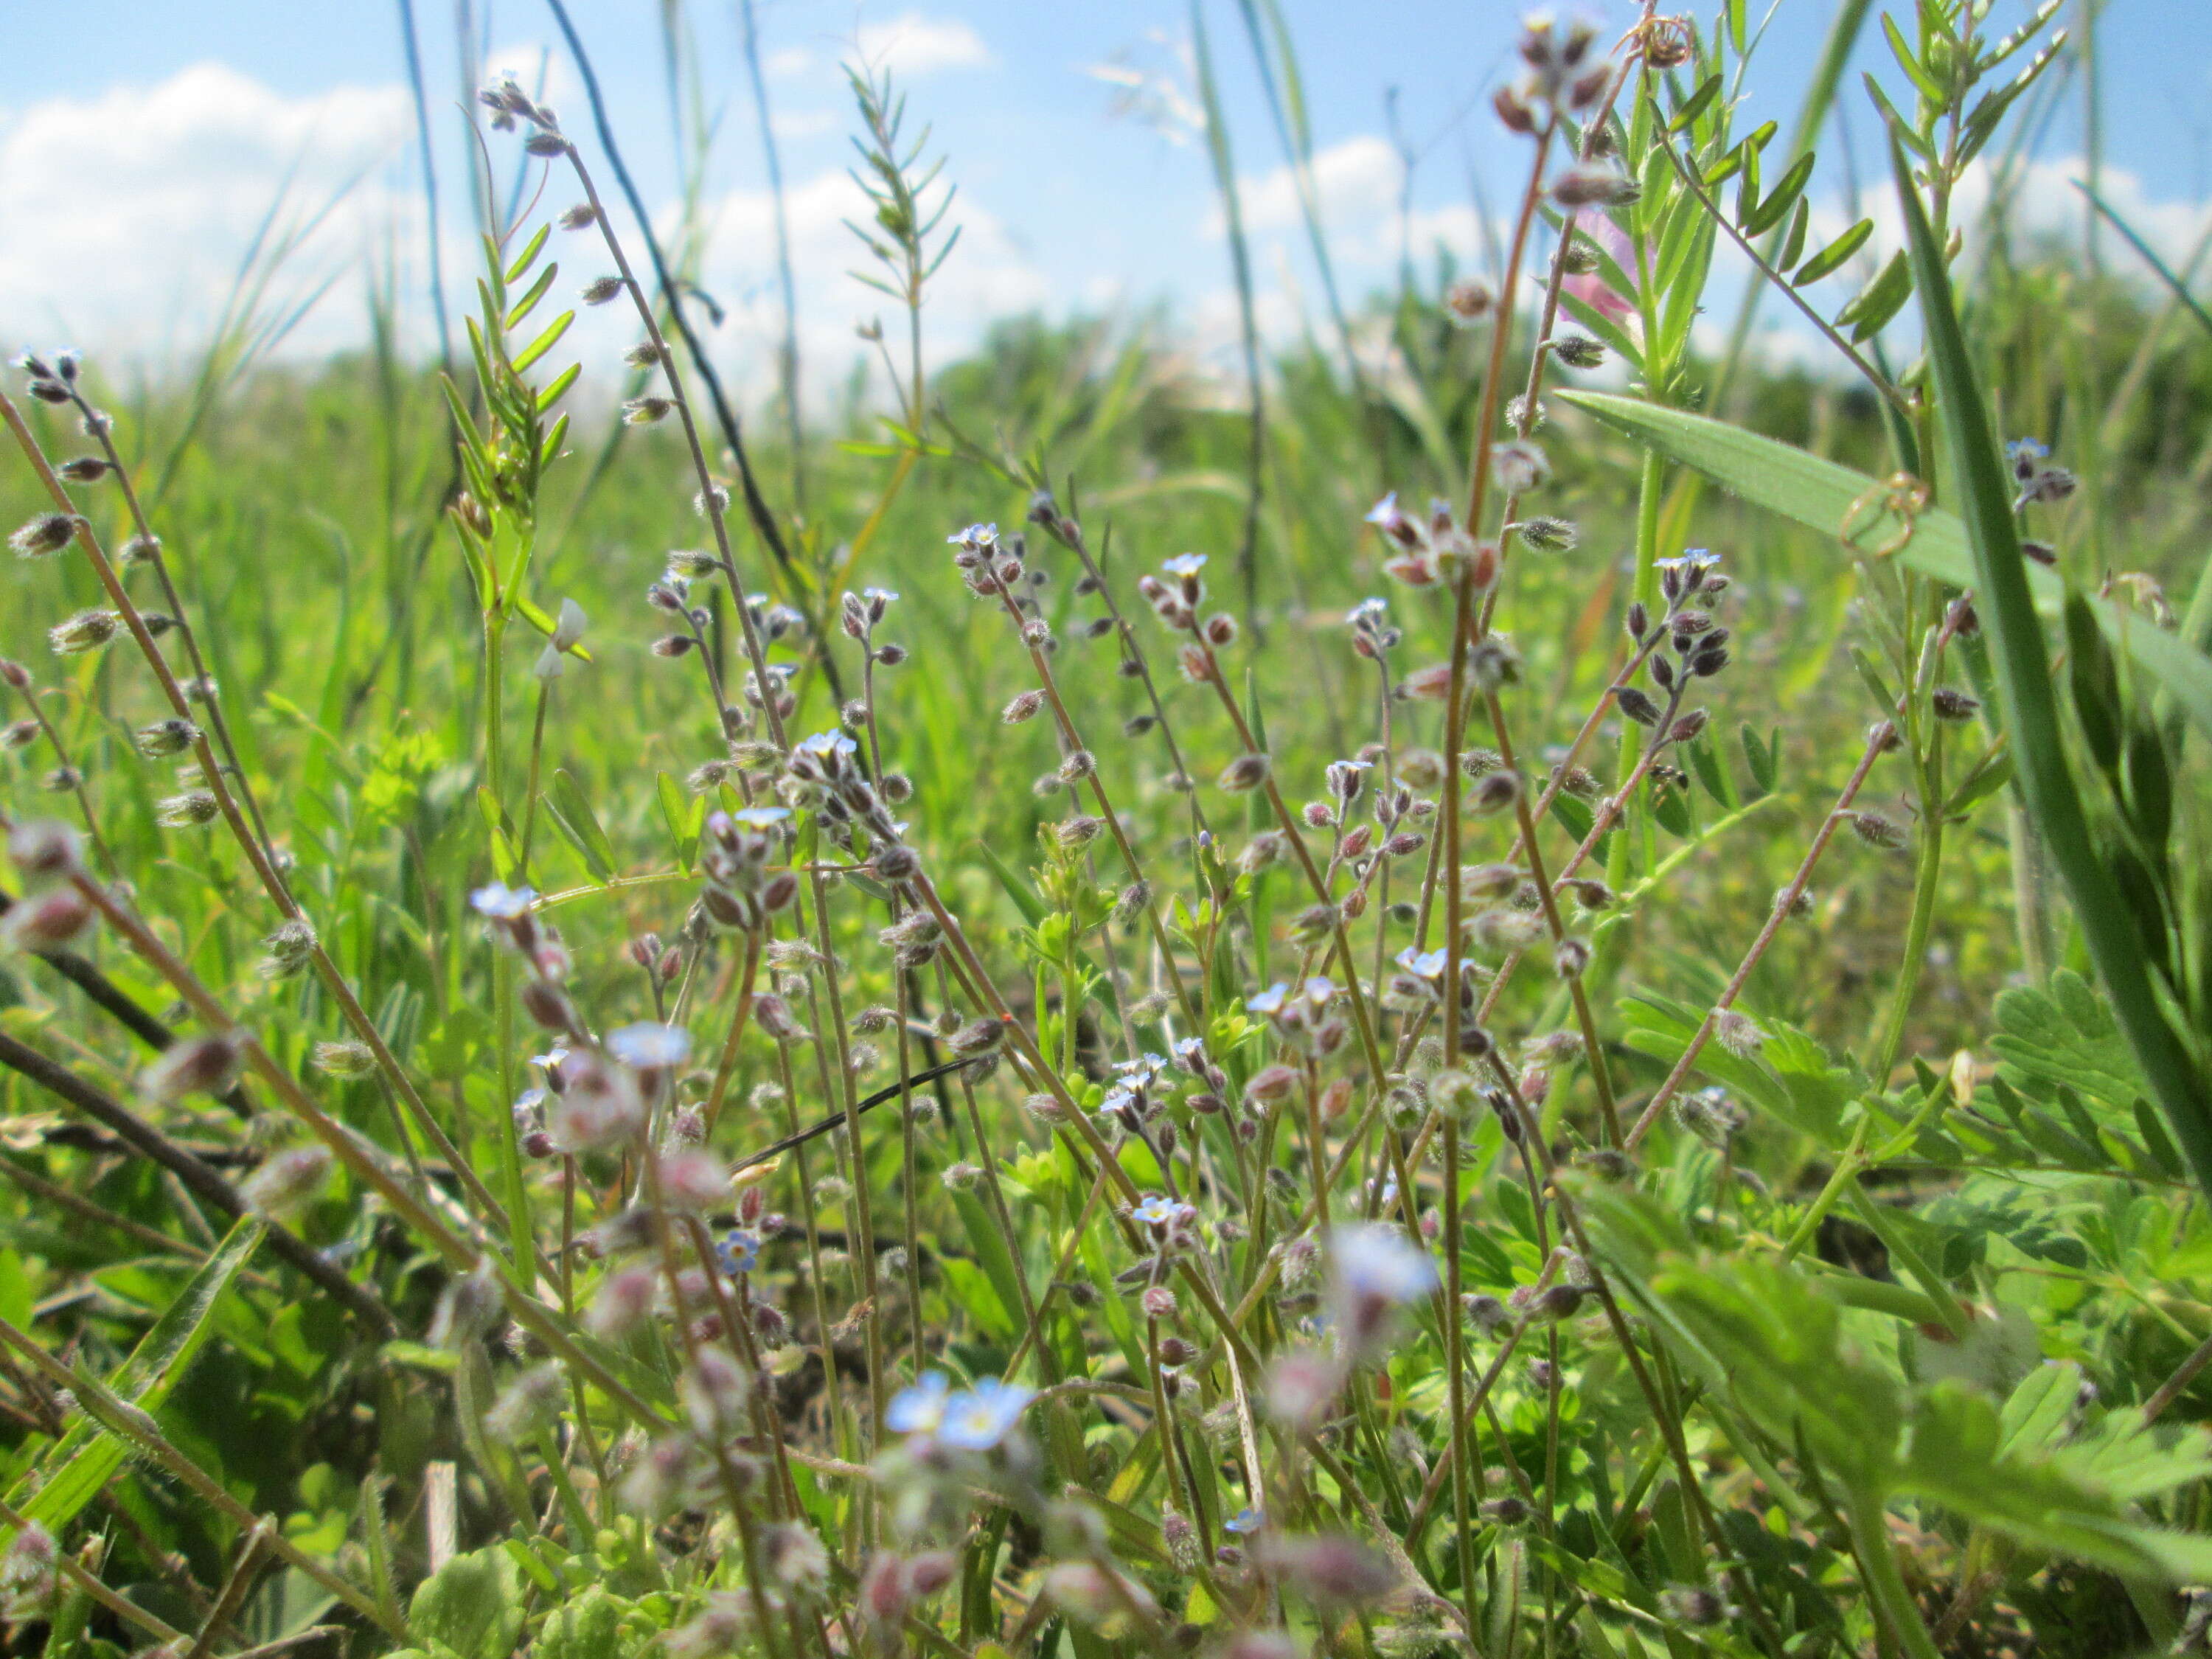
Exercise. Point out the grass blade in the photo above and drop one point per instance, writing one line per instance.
(85, 1459)
(2020, 656)
(2150, 258)
(1822, 494)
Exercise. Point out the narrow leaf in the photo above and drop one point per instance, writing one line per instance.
(1822, 496)
(2020, 655)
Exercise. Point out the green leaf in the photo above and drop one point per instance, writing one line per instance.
(1670, 807)
(82, 1461)
(1783, 196)
(683, 815)
(2020, 657)
(562, 382)
(1982, 120)
(1758, 1334)
(1711, 773)
(2094, 684)
(472, 1606)
(572, 812)
(1989, 774)
(495, 817)
(528, 303)
(586, 1626)
(1831, 257)
(1694, 104)
(1759, 757)
(551, 447)
(1792, 1081)
(1872, 307)
(2069, 1501)
(1025, 900)
(1793, 240)
(545, 342)
(1898, 124)
(2063, 1037)
(1924, 83)
(1822, 495)
(991, 1252)
(528, 257)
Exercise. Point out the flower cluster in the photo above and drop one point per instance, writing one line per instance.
(974, 1419)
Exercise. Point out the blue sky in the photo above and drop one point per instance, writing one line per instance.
(140, 141)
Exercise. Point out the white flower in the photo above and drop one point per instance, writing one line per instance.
(570, 628)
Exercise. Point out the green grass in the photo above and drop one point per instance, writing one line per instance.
(1854, 1340)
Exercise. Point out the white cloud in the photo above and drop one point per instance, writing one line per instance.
(128, 212)
(787, 63)
(807, 123)
(913, 44)
(909, 45)
(1354, 183)
(987, 277)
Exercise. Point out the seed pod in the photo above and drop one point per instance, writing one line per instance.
(194, 1065)
(1877, 831)
(86, 631)
(49, 533)
(1243, 775)
(1637, 705)
(47, 921)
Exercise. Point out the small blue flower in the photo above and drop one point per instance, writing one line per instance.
(648, 1044)
(975, 536)
(1143, 1070)
(502, 902)
(760, 817)
(1392, 518)
(829, 743)
(1184, 564)
(1375, 1261)
(1319, 991)
(983, 1416)
(1693, 558)
(1246, 1520)
(1423, 964)
(1269, 1001)
(1155, 1211)
(737, 1251)
(919, 1409)
(2033, 449)
(884, 593)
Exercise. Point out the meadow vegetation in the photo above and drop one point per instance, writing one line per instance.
(1523, 985)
